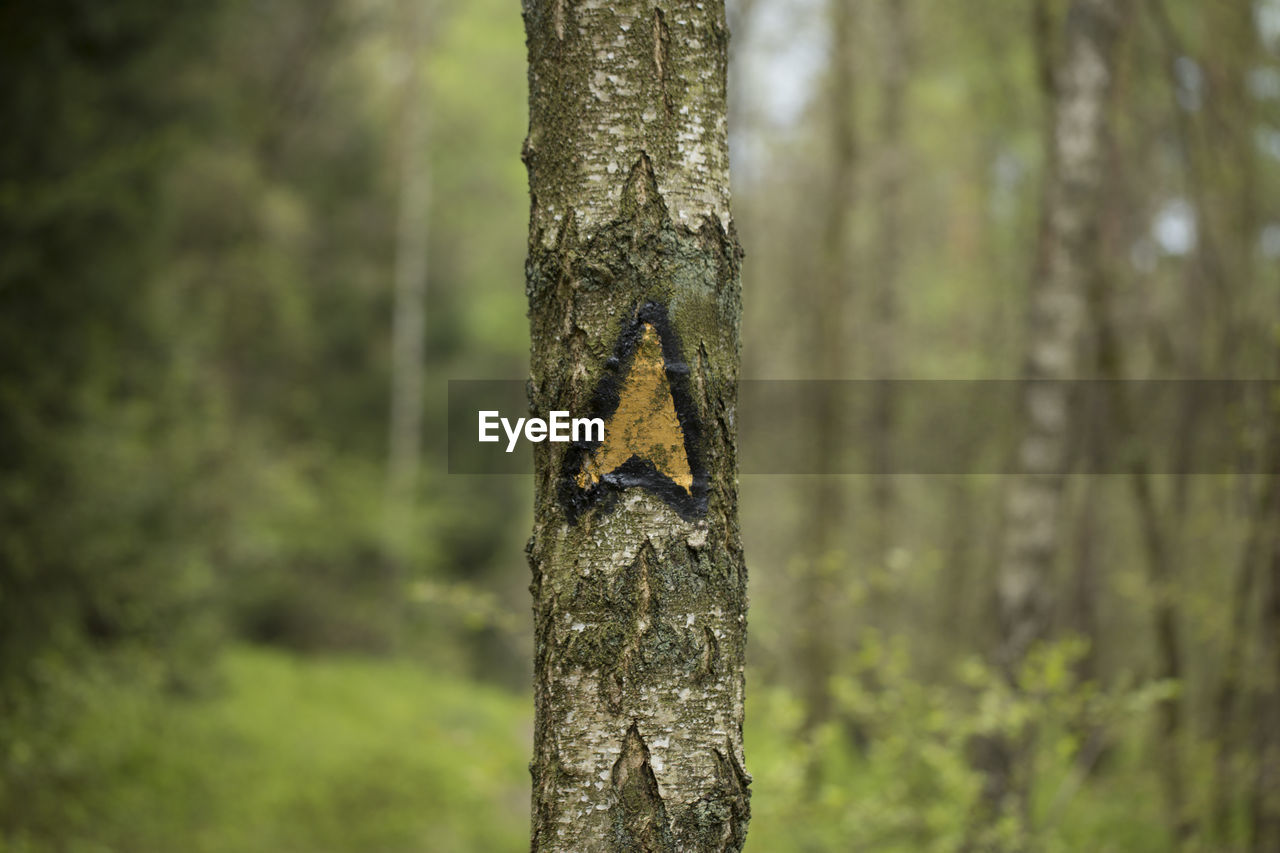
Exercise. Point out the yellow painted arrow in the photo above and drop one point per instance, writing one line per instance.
(645, 424)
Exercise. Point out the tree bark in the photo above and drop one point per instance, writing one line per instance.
(639, 584)
(1068, 253)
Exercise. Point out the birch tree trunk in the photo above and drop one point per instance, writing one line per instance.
(1068, 258)
(639, 584)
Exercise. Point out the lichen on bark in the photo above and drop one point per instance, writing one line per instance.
(640, 609)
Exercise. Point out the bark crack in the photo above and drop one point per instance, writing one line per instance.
(557, 16)
(643, 597)
(640, 820)
(661, 52)
(710, 654)
(641, 188)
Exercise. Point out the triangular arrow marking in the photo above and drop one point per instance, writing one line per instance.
(652, 435)
(645, 424)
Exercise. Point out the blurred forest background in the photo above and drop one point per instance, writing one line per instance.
(243, 605)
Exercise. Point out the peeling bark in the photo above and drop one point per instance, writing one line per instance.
(639, 599)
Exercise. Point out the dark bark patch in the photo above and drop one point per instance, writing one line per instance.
(710, 655)
(641, 599)
(661, 52)
(640, 823)
(548, 773)
(717, 821)
(642, 203)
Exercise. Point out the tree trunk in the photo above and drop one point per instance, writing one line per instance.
(1068, 258)
(1236, 682)
(639, 584)
(1264, 800)
(1264, 793)
(824, 515)
(1159, 542)
(891, 175)
(409, 311)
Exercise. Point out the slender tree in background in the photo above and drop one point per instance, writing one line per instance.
(409, 312)
(1255, 587)
(1156, 531)
(1218, 164)
(891, 172)
(1231, 197)
(638, 578)
(1068, 257)
(1264, 794)
(409, 307)
(825, 512)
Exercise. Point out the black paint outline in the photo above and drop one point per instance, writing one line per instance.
(637, 472)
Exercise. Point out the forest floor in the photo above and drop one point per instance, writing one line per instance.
(299, 754)
(319, 754)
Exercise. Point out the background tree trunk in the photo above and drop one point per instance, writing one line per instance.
(409, 306)
(1067, 259)
(409, 314)
(639, 592)
(1261, 558)
(891, 173)
(825, 517)
(1264, 799)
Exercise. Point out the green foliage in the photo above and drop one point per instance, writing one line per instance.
(319, 754)
(898, 768)
(197, 212)
(292, 754)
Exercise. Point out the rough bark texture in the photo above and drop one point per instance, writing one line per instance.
(639, 592)
(1068, 258)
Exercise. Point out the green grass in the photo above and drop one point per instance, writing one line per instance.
(315, 754)
(295, 755)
